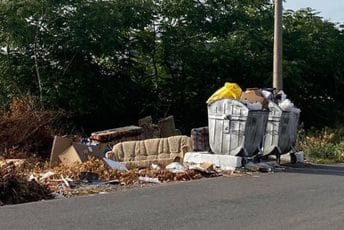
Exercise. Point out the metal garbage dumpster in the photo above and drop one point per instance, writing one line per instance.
(281, 130)
(235, 129)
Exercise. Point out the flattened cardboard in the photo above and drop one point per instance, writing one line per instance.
(69, 156)
(207, 166)
(60, 144)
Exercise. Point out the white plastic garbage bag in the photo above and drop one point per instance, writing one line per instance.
(286, 105)
(267, 94)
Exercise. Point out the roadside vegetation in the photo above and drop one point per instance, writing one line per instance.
(163, 58)
(26, 129)
(323, 146)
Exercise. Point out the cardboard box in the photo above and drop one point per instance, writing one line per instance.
(66, 150)
(254, 95)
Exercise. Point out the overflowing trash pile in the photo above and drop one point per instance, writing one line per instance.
(252, 123)
(254, 98)
(144, 154)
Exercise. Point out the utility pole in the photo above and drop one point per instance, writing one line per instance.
(277, 68)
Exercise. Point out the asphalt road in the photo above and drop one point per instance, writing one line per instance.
(303, 199)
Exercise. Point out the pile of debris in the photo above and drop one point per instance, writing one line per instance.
(97, 176)
(79, 165)
(15, 187)
(117, 158)
(20, 184)
(25, 128)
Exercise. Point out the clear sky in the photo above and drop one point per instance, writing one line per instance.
(332, 10)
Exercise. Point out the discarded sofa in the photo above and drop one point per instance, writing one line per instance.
(145, 152)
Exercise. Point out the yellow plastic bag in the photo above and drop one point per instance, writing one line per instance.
(228, 91)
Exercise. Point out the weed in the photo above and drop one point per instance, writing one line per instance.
(324, 146)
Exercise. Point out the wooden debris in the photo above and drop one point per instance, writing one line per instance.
(110, 135)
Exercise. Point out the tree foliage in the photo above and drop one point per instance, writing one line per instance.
(110, 62)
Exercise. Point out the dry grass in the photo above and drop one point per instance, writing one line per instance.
(325, 146)
(26, 129)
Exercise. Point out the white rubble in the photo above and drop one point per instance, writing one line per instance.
(224, 162)
(175, 167)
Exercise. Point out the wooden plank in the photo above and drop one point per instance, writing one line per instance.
(112, 134)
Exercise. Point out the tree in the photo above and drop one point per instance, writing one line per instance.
(313, 66)
(76, 54)
(108, 63)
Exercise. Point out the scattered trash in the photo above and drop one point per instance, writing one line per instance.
(279, 169)
(175, 167)
(115, 165)
(205, 167)
(300, 157)
(155, 166)
(46, 175)
(100, 163)
(284, 103)
(264, 167)
(65, 181)
(89, 176)
(253, 167)
(112, 182)
(285, 158)
(149, 179)
(267, 94)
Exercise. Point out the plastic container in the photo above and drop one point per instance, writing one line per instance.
(281, 130)
(234, 129)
